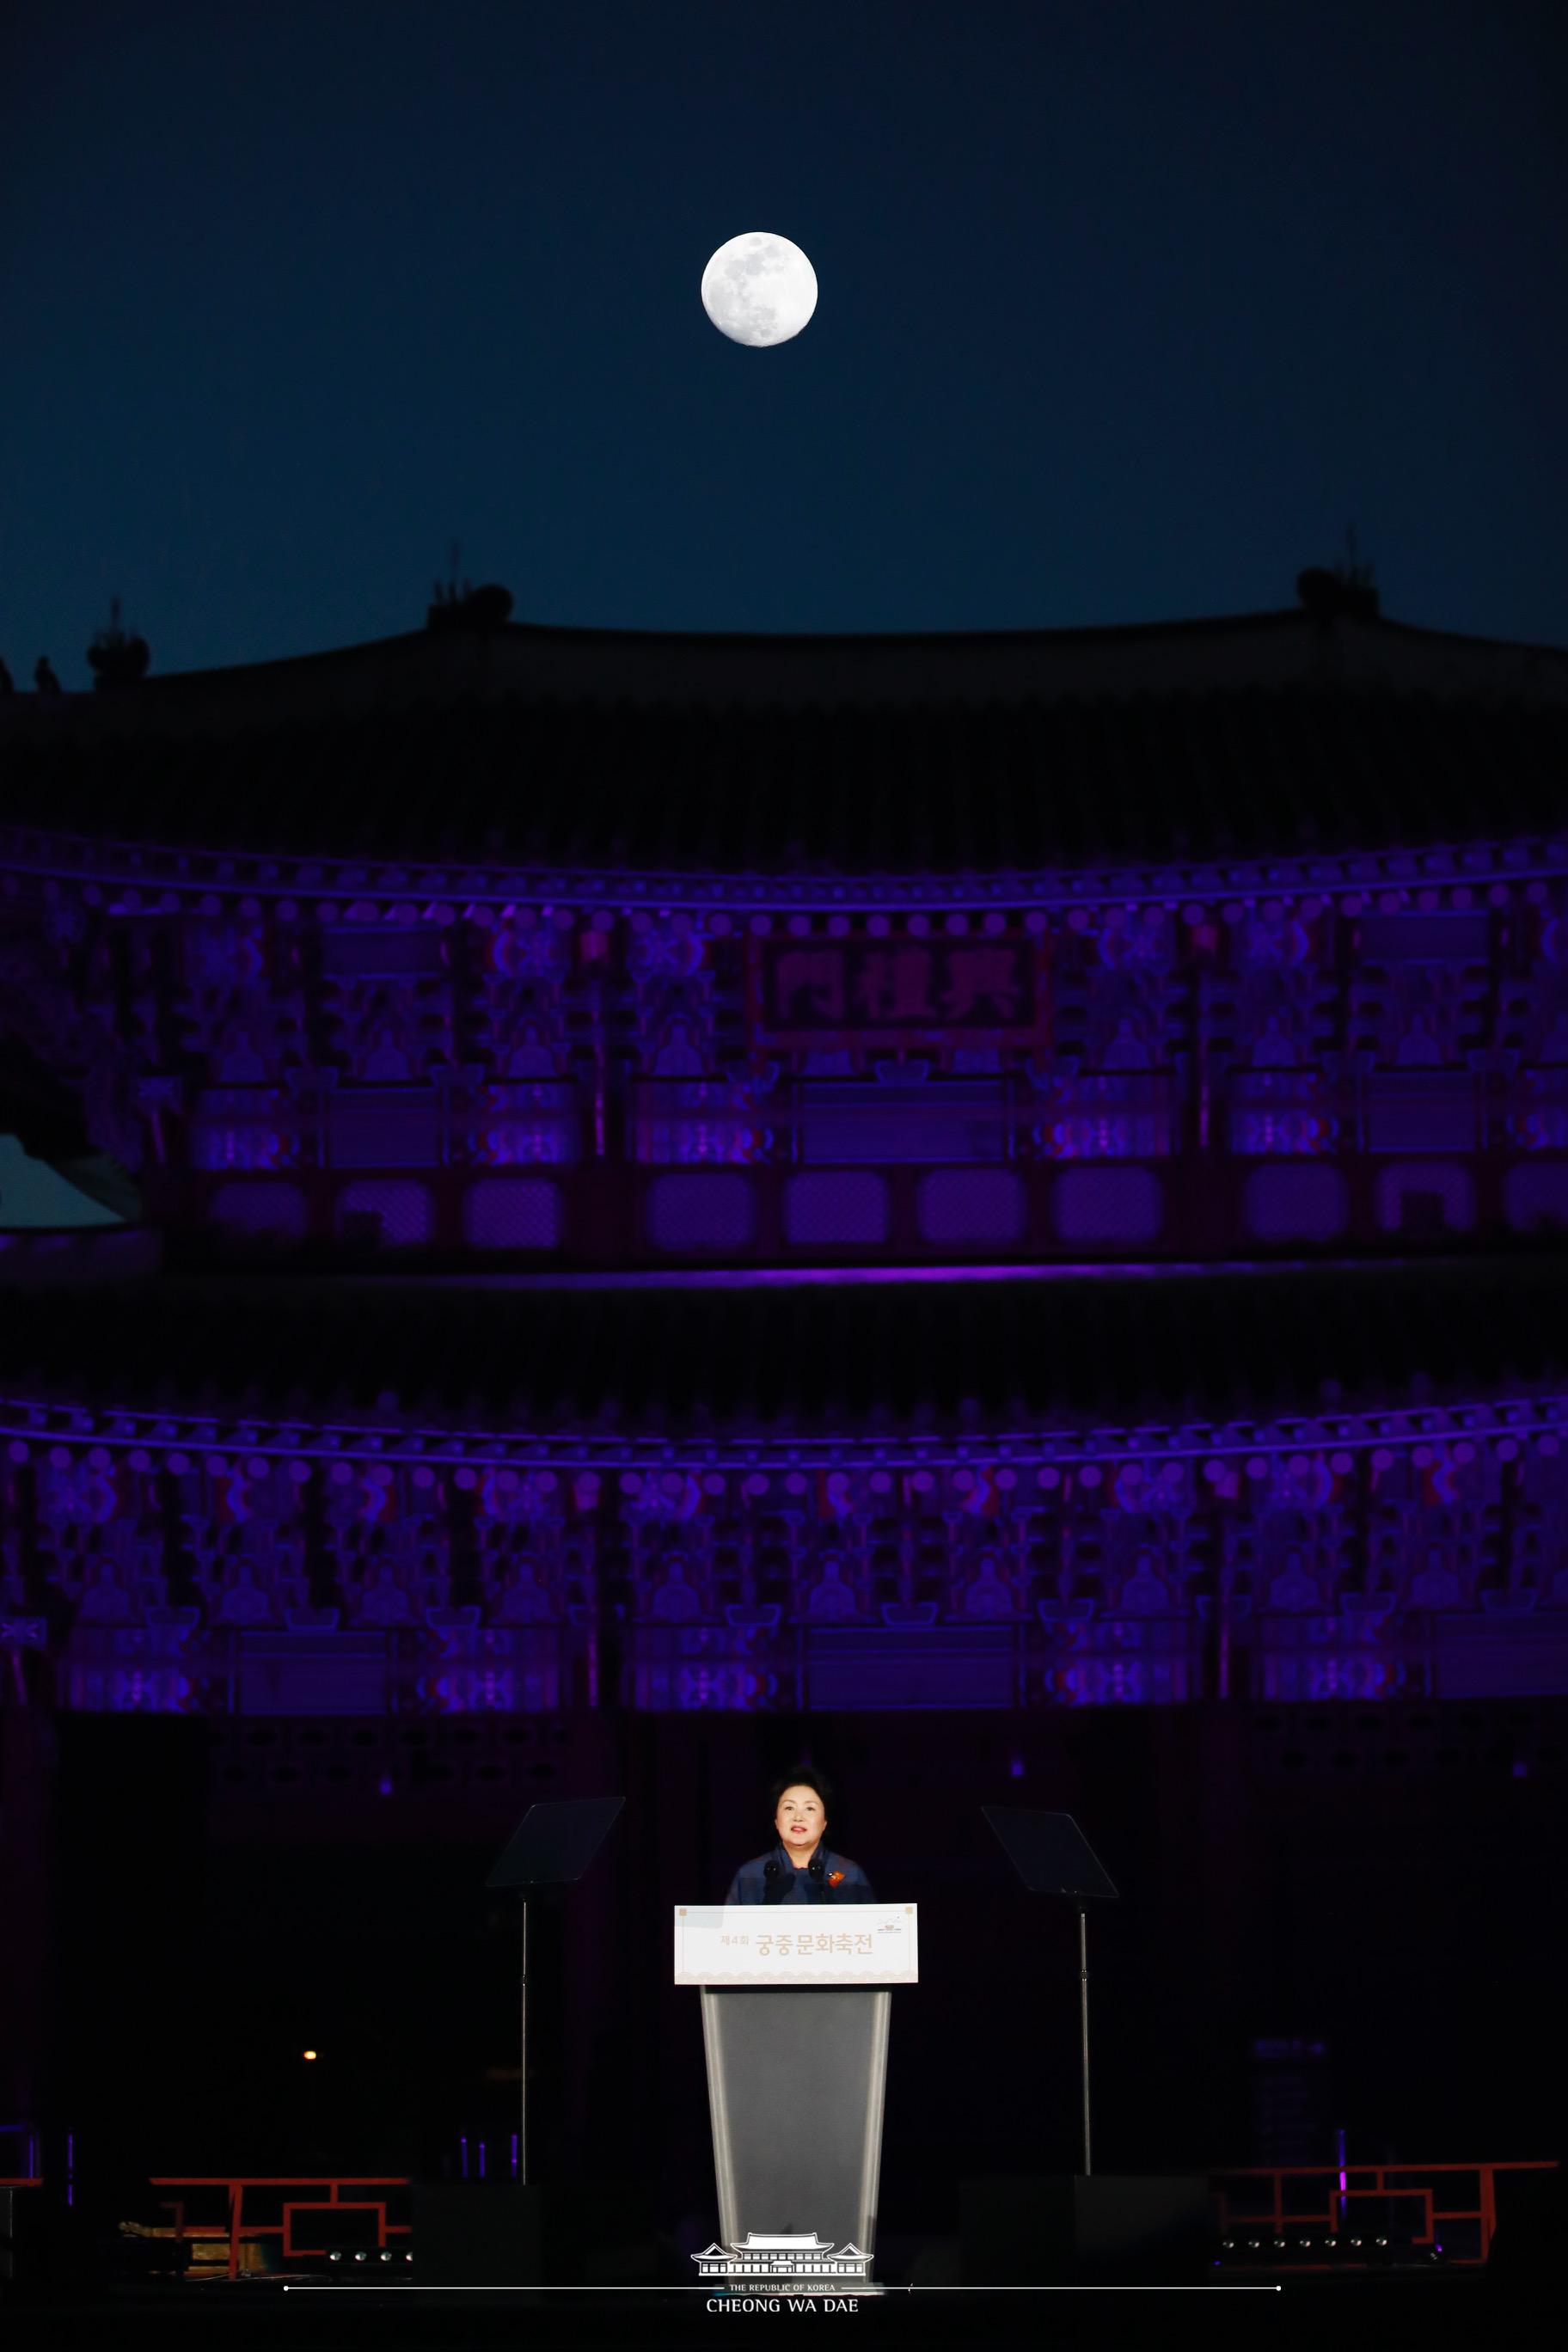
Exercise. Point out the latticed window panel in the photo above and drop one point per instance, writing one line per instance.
(523, 1212)
(260, 1208)
(700, 1211)
(397, 1214)
(1536, 1195)
(836, 1209)
(1109, 1204)
(972, 1204)
(1426, 1197)
(1296, 1203)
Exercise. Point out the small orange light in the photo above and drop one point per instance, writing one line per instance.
(307, 2054)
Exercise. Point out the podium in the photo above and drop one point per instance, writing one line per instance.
(796, 2005)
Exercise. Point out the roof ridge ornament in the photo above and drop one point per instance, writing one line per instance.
(1348, 589)
(115, 657)
(488, 606)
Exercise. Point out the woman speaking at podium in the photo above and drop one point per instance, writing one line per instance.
(800, 1867)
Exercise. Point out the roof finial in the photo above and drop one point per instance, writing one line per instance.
(1355, 575)
(1348, 588)
(114, 657)
(465, 606)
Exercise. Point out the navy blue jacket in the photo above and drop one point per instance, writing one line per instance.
(772, 1877)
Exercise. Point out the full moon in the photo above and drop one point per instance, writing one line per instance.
(758, 289)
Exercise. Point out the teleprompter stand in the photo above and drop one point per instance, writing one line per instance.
(516, 2233)
(1052, 1856)
(552, 1845)
(1151, 2229)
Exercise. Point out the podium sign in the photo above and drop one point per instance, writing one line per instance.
(796, 2010)
(795, 1944)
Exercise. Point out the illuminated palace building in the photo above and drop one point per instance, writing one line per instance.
(549, 1169)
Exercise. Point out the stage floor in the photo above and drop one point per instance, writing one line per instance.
(254, 2316)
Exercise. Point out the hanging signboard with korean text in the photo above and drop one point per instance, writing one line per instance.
(896, 992)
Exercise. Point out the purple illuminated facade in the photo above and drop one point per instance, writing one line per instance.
(777, 973)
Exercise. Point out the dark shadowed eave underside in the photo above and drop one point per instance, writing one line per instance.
(822, 1359)
(944, 790)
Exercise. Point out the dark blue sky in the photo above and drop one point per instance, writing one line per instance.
(1125, 311)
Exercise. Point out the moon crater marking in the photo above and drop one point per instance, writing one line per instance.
(758, 289)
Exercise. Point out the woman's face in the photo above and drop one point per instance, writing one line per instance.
(800, 1820)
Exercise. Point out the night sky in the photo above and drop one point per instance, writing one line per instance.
(1126, 311)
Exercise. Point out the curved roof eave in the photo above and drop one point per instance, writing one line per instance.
(530, 661)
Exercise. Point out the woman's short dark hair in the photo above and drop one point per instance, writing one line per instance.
(804, 1778)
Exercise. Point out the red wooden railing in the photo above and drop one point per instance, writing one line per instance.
(1344, 2186)
(1342, 2189)
(237, 2230)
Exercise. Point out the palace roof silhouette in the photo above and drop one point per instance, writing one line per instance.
(947, 754)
